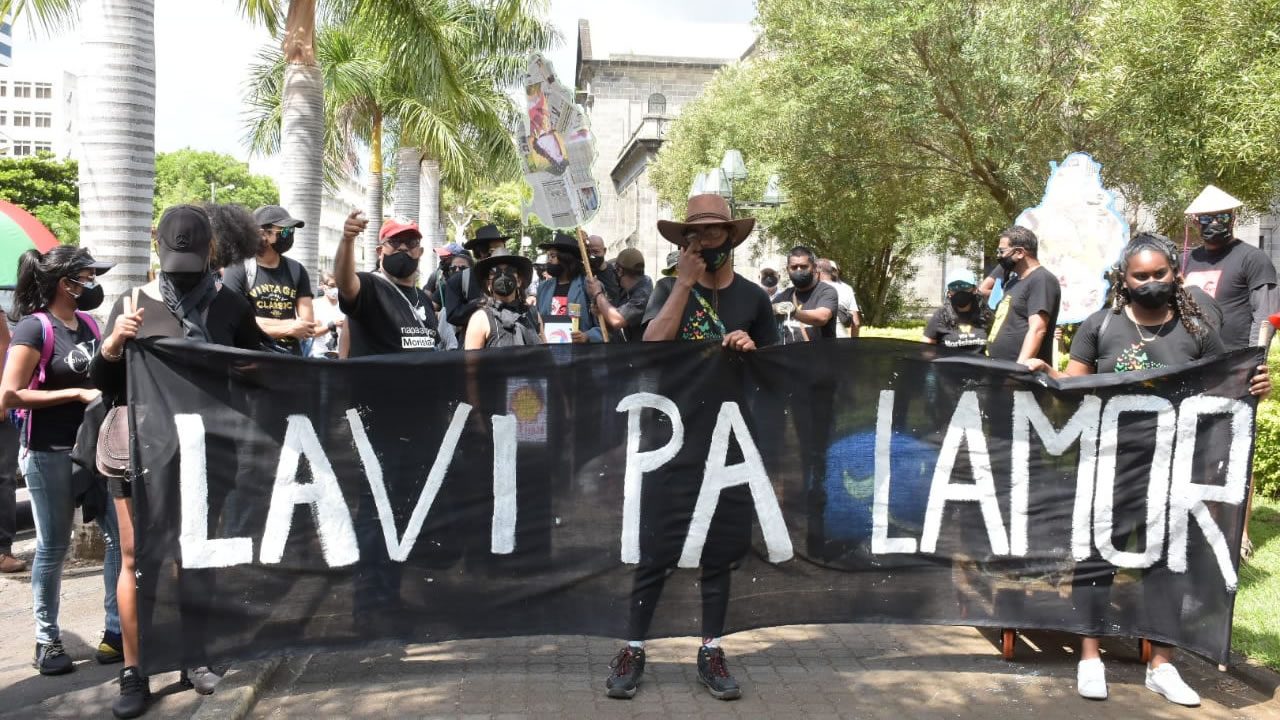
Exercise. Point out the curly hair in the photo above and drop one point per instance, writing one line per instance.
(236, 234)
(1181, 302)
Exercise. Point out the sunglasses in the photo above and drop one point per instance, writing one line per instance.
(1208, 218)
(412, 243)
(711, 232)
(86, 284)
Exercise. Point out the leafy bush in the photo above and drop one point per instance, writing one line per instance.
(1266, 450)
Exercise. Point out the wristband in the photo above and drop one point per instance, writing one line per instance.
(109, 357)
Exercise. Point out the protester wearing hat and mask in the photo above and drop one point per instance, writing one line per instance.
(184, 301)
(462, 295)
(434, 287)
(706, 300)
(277, 287)
(669, 268)
(962, 321)
(633, 295)
(1239, 277)
(564, 295)
(386, 311)
(807, 310)
(769, 281)
(503, 321)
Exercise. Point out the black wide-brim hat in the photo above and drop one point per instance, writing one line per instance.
(706, 209)
(485, 235)
(503, 256)
(562, 241)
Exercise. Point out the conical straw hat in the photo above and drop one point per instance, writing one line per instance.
(1212, 199)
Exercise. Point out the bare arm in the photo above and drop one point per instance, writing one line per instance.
(816, 317)
(604, 309)
(18, 370)
(1037, 328)
(856, 327)
(344, 263)
(477, 331)
(667, 322)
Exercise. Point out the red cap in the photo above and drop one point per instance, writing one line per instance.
(394, 227)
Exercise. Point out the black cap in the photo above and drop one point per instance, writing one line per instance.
(183, 239)
(275, 215)
(485, 235)
(561, 241)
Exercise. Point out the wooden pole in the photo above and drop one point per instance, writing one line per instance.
(586, 263)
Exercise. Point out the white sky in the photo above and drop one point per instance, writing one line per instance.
(204, 48)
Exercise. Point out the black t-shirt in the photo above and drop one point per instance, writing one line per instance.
(54, 428)
(966, 332)
(821, 295)
(1037, 292)
(389, 318)
(464, 294)
(741, 306)
(229, 322)
(1230, 276)
(1208, 306)
(1122, 349)
(632, 304)
(275, 292)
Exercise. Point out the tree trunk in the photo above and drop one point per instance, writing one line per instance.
(404, 196)
(301, 143)
(429, 189)
(117, 137)
(373, 204)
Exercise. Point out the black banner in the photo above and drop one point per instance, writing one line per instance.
(292, 504)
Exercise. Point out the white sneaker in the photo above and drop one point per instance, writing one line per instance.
(1166, 681)
(1091, 679)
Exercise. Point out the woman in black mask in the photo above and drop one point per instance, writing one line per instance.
(964, 319)
(1153, 323)
(184, 301)
(503, 321)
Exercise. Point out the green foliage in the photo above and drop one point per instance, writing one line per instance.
(47, 188)
(1255, 628)
(189, 176)
(1266, 450)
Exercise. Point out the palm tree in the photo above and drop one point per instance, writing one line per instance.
(117, 127)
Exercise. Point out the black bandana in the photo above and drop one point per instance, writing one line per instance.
(189, 305)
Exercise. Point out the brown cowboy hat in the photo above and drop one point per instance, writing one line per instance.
(708, 209)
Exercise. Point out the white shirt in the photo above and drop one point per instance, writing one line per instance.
(847, 302)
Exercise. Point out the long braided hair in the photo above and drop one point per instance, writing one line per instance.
(1183, 305)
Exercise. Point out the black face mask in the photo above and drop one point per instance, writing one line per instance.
(284, 241)
(597, 263)
(504, 283)
(770, 281)
(90, 299)
(962, 299)
(399, 265)
(185, 281)
(1007, 261)
(556, 271)
(1215, 233)
(715, 258)
(1152, 295)
(801, 280)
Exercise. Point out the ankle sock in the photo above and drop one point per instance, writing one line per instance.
(711, 642)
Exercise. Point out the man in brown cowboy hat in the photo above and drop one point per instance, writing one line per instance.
(706, 300)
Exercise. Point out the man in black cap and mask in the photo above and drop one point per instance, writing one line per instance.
(386, 310)
(462, 294)
(277, 287)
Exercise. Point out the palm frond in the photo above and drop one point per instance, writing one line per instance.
(50, 15)
(267, 13)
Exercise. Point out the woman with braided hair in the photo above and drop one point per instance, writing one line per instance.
(1153, 322)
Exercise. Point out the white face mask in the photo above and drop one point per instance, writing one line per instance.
(331, 293)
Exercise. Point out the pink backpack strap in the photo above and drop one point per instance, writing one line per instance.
(46, 350)
(87, 319)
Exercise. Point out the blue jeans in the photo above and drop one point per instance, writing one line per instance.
(48, 476)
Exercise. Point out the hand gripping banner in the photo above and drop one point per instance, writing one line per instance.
(297, 505)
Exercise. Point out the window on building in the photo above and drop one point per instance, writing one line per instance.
(44, 91)
(4, 118)
(21, 148)
(22, 119)
(43, 147)
(22, 90)
(4, 89)
(657, 104)
(44, 120)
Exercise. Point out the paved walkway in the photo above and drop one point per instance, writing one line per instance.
(821, 671)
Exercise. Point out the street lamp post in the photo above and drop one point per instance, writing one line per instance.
(213, 191)
(733, 170)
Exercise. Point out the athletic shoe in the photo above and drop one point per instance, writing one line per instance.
(205, 679)
(1091, 679)
(110, 650)
(714, 673)
(51, 659)
(628, 667)
(1166, 681)
(11, 564)
(135, 694)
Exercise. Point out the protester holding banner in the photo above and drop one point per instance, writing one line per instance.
(625, 311)
(807, 310)
(503, 321)
(562, 300)
(1024, 321)
(707, 300)
(46, 378)
(1153, 323)
(184, 301)
(962, 322)
(386, 311)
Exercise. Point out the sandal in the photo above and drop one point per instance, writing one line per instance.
(1246, 550)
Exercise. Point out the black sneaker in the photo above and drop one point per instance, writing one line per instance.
(51, 659)
(135, 694)
(628, 666)
(714, 673)
(110, 650)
